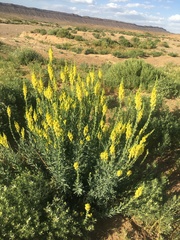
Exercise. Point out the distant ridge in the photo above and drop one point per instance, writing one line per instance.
(13, 10)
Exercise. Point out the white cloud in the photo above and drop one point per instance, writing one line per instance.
(174, 18)
(139, 5)
(112, 5)
(83, 1)
(118, 1)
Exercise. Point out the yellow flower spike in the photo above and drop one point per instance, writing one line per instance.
(48, 93)
(85, 131)
(50, 55)
(74, 70)
(104, 109)
(9, 111)
(25, 91)
(97, 89)
(79, 92)
(3, 141)
(88, 80)
(105, 128)
(33, 80)
(100, 74)
(70, 136)
(112, 150)
(113, 135)
(91, 74)
(50, 72)
(139, 192)
(121, 91)
(138, 101)
(153, 98)
(17, 127)
(129, 173)
(76, 166)
(35, 117)
(87, 207)
(57, 129)
(62, 76)
(88, 138)
(22, 133)
(40, 86)
(49, 119)
(81, 142)
(140, 115)
(119, 173)
(99, 136)
(128, 130)
(104, 156)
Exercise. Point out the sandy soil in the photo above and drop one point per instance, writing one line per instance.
(20, 35)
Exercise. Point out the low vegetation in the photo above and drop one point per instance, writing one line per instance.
(79, 144)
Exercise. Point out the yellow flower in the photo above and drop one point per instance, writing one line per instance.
(153, 98)
(129, 172)
(97, 88)
(121, 91)
(78, 92)
(138, 101)
(62, 76)
(138, 192)
(87, 207)
(88, 138)
(40, 86)
(50, 55)
(9, 111)
(104, 156)
(48, 93)
(85, 131)
(70, 136)
(76, 166)
(22, 133)
(50, 72)
(112, 149)
(17, 127)
(104, 109)
(113, 135)
(119, 173)
(100, 74)
(49, 119)
(3, 141)
(35, 117)
(136, 151)
(128, 130)
(24, 91)
(33, 80)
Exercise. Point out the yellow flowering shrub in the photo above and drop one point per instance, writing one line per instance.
(87, 153)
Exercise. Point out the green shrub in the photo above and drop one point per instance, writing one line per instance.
(26, 56)
(171, 54)
(90, 51)
(134, 72)
(156, 54)
(79, 38)
(124, 42)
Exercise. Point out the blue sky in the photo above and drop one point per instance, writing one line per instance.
(161, 13)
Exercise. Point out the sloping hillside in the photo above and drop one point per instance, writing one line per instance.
(12, 10)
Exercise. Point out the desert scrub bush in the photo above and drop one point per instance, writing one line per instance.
(26, 56)
(90, 51)
(135, 72)
(172, 54)
(42, 31)
(76, 161)
(124, 42)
